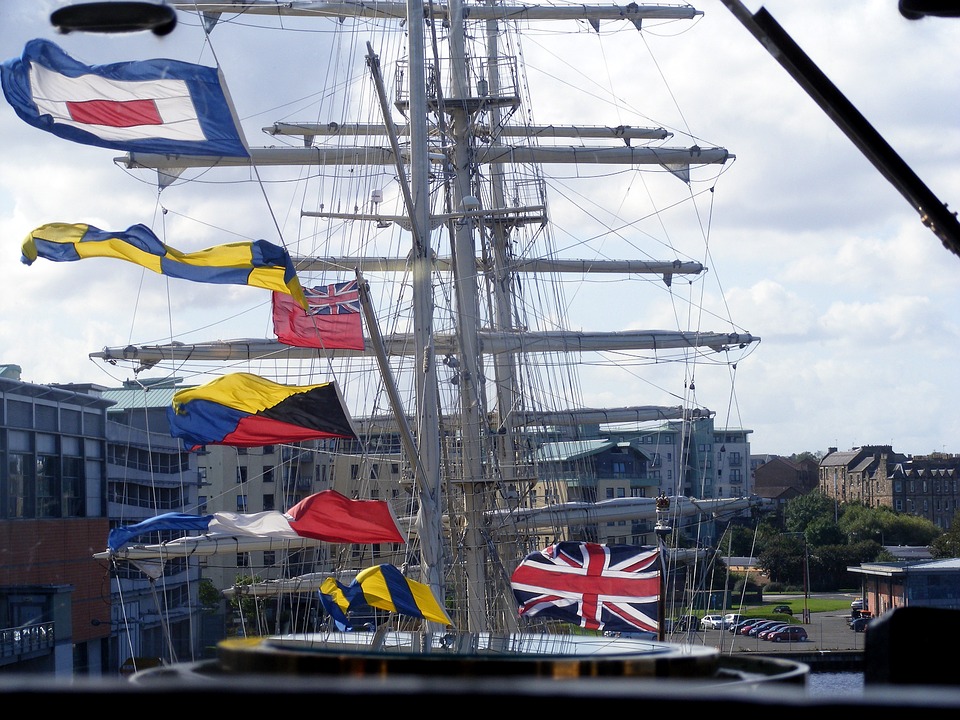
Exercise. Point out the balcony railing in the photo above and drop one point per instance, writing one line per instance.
(26, 640)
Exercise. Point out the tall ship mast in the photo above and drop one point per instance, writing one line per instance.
(427, 180)
(471, 198)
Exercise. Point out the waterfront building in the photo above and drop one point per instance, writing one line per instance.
(54, 613)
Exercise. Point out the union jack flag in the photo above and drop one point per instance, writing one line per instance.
(336, 299)
(598, 587)
(333, 319)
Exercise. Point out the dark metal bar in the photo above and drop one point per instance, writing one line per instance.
(933, 213)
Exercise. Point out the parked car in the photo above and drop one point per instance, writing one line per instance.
(731, 619)
(685, 623)
(745, 629)
(783, 610)
(858, 604)
(860, 624)
(754, 629)
(789, 633)
(764, 633)
(711, 622)
(735, 629)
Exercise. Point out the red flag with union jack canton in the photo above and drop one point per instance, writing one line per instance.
(598, 587)
(332, 322)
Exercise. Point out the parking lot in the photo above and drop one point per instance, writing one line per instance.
(826, 631)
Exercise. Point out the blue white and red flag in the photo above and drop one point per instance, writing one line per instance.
(613, 588)
(150, 106)
(332, 320)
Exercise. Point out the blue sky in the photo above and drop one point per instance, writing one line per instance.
(812, 250)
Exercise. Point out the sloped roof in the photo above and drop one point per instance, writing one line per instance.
(138, 398)
(843, 458)
(909, 552)
(572, 449)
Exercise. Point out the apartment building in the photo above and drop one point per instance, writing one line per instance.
(155, 609)
(55, 604)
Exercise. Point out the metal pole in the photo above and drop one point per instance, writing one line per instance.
(662, 529)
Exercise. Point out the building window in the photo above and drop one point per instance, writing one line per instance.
(71, 481)
(20, 486)
(243, 560)
(202, 504)
(268, 502)
(241, 474)
(269, 557)
(241, 503)
(609, 493)
(268, 473)
(48, 487)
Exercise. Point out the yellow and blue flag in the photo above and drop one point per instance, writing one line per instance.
(258, 263)
(383, 587)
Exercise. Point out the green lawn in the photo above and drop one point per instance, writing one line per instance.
(814, 605)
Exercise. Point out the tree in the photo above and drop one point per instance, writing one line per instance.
(781, 559)
(911, 530)
(886, 526)
(829, 563)
(801, 511)
(746, 540)
(824, 531)
(210, 597)
(948, 544)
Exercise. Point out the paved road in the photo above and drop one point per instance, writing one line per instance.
(826, 631)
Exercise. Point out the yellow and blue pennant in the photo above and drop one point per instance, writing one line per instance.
(258, 263)
(383, 587)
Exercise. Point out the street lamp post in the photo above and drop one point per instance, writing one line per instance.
(662, 530)
(806, 577)
(806, 582)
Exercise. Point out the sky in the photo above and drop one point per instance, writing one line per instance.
(854, 300)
